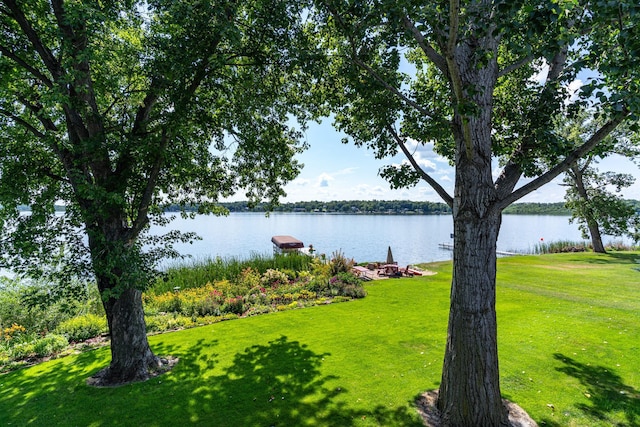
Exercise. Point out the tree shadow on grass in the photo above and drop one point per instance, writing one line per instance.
(606, 391)
(278, 384)
(615, 258)
(44, 395)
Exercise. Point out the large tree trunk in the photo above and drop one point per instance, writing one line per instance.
(131, 357)
(470, 388)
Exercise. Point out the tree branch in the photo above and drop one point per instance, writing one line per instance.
(142, 217)
(437, 59)
(389, 87)
(516, 65)
(36, 109)
(512, 172)
(28, 126)
(561, 167)
(45, 54)
(22, 63)
(54, 176)
(425, 176)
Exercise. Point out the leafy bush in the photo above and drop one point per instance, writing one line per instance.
(249, 278)
(202, 301)
(171, 321)
(346, 284)
(40, 307)
(259, 309)
(259, 286)
(83, 327)
(50, 344)
(18, 345)
(233, 305)
(21, 351)
(274, 278)
(167, 322)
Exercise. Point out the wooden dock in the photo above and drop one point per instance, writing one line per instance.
(449, 246)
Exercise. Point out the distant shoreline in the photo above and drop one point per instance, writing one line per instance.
(378, 207)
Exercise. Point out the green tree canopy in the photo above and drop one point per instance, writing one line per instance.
(119, 109)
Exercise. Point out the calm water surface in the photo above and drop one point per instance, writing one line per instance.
(413, 239)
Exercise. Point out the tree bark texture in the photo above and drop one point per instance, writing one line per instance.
(131, 357)
(470, 389)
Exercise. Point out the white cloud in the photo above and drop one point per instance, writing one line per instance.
(424, 151)
(377, 190)
(426, 164)
(324, 179)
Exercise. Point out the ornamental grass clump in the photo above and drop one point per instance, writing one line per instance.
(340, 263)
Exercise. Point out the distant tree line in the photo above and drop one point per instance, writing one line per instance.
(395, 207)
(398, 207)
(558, 208)
(349, 207)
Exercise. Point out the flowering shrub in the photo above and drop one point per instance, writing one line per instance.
(274, 278)
(12, 331)
(249, 278)
(233, 305)
(346, 284)
(82, 328)
(247, 293)
(251, 294)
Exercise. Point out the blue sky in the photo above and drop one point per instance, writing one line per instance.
(336, 171)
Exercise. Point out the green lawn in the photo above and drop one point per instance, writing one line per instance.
(569, 332)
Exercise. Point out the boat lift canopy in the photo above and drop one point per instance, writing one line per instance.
(286, 243)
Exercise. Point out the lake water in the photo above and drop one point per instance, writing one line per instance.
(413, 239)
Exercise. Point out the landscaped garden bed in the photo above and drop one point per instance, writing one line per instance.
(38, 321)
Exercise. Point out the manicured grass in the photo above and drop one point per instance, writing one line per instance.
(569, 332)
